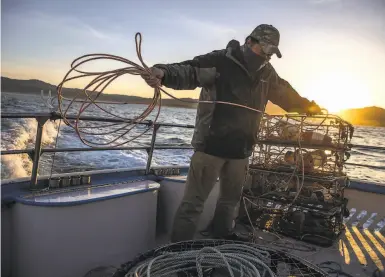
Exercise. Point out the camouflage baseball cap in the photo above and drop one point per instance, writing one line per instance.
(268, 36)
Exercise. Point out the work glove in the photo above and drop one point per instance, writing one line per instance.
(156, 77)
(313, 109)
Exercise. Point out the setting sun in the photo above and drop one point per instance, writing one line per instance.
(338, 91)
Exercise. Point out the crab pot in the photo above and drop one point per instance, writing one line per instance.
(319, 146)
(309, 220)
(325, 130)
(287, 185)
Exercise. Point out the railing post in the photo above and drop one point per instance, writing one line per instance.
(151, 151)
(37, 151)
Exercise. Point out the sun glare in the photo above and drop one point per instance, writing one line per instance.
(338, 91)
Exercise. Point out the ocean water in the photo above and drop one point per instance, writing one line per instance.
(20, 134)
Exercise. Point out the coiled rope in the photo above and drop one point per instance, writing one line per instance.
(94, 134)
(236, 259)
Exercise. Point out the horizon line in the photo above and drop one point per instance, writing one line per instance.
(167, 97)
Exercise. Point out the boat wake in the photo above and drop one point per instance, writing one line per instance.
(20, 134)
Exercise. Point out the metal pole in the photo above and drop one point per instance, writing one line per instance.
(151, 150)
(37, 151)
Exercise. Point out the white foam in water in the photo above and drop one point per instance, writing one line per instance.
(15, 166)
(21, 135)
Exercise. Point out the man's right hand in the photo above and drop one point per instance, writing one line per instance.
(314, 109)
(155, 79)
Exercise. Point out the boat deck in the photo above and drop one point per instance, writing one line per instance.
(359, 251)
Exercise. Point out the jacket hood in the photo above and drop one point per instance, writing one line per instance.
(233, 48)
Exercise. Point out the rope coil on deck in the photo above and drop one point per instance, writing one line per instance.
(203, 258)
(235, 259)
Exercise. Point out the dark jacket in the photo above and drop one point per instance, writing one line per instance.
(223, 130)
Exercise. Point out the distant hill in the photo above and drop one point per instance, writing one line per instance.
(35, 87)
(369, 116)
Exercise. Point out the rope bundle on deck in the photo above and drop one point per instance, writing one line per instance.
(234, 259)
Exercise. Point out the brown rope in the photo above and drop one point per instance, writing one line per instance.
(101, 80)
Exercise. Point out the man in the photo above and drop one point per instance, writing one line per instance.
(224, 135)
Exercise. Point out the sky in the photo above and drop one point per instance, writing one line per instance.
(333, 50)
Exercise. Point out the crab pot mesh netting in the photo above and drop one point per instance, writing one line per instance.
(316, 227)
(210, 258)
(326, 191)
(322, 141)
(327, 130)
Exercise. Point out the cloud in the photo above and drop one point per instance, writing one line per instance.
(203, 28)
(64, 24)
(96, 33)
(213, 29)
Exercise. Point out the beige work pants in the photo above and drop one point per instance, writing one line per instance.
(203, 173)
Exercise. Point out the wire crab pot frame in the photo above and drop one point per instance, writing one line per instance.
(302, 209)
(306, 222)
(317, 162)
(289, 186)
(321, 130)
(318, 145)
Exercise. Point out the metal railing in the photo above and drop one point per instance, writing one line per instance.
(36, 152)
(42, 118)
